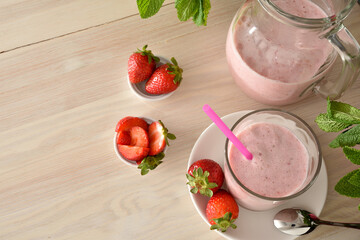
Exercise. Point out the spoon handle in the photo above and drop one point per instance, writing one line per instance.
(338, 224)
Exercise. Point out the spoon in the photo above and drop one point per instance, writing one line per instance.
(298, 222)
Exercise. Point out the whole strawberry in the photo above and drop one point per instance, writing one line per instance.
(205, 176)
(141, 65)
(221, 211)
(165, 79)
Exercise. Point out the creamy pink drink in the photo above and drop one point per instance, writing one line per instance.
(285, 160)
(272, 62)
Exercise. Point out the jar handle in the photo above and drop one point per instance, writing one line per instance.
(349, 50)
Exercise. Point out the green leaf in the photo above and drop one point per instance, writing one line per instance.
(327, 124)
(352, 154)
(148, 8)
(343, 112)
(171, 136)
(194, 190)
(355, 179)
(344, 187)
(150, 163)
(198, 10)
(200, 18)
(186, 8)
(349, 138)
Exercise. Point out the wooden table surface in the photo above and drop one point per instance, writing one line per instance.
(62, 90)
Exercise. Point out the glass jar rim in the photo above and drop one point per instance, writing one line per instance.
(297, 21)
(296, 194)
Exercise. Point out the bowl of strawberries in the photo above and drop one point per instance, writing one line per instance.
(141, 142)
(151, 77)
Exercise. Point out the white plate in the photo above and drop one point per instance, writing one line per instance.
(252, 225)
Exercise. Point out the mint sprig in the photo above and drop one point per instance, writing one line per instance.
(198, 10)
(343, 117)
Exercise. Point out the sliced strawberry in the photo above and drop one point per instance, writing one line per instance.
(157, 138)
(158, 135)
(123, 138)
(133, 153)
(128, 122)
(139, 137)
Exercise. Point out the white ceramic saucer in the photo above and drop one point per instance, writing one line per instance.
(251, 225)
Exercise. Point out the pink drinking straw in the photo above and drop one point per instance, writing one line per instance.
(228, 133)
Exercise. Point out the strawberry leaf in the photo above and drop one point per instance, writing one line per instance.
(166, 133)
(174, 69)
(200, 181)
(149, 54)
(223, 223)
(150, 163)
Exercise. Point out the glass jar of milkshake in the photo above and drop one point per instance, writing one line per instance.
(280, 51)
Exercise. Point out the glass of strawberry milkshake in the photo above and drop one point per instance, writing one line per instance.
(286, 159)
(280, 51)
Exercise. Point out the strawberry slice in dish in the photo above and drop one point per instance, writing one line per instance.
(133, 153)
(139, 137)
(158, 135)
(127, 123)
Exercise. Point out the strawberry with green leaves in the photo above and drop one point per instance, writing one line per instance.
(165, 79)
(141, 65)
(205, 176)
(221, 211)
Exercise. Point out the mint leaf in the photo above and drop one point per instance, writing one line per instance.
(200, 18)
(349, 138)
(355, 179)
(344, 187)
(198, 10)
(148, 8)
(343, 112)
(327, 124)
(187, 8)
(352, 154)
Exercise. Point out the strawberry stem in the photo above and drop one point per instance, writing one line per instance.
(200, 182)
(149, 54)
(176, 70)
(223, 223)
(166, 134)
(150, 163)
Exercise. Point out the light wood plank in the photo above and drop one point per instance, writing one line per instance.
(60, 101)
(24, 22)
